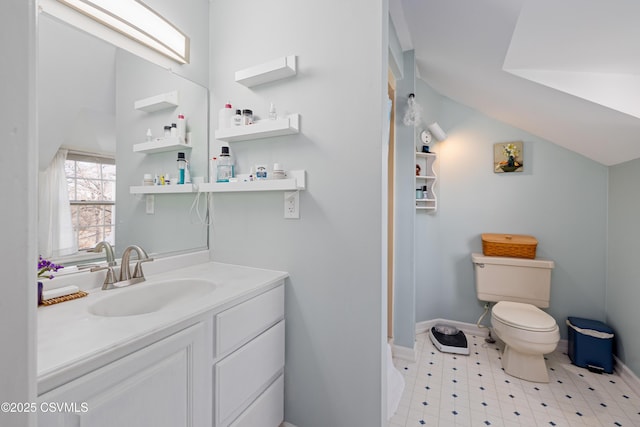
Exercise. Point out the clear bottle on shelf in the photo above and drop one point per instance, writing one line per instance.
(225, 168)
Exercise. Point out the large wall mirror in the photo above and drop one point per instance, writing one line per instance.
(87, 128)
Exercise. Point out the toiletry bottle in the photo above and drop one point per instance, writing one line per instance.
(213, 169)
(237, 118)
(247, 117)
(225, 168)
(174, 130)
(182, 129)
(224, 116)
(167, 131)
(182, 165)
(149, 135)
(272, 112)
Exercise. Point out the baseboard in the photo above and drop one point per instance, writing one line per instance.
(286, 424)
(404, 353)
(627, 375)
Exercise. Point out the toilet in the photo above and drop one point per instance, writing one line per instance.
(519, 287)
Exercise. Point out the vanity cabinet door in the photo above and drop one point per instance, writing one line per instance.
(163, 384)
(246, 373)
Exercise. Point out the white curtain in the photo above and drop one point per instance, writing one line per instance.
(56, 236)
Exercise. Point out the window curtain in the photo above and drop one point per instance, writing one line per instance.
(56, 237)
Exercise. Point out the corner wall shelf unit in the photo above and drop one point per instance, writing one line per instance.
(161, 145)
(269, 71)
(426, 179)
(261, 129)
(158, 102)
(295, 181)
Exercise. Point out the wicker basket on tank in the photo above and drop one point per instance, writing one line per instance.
(509, 245)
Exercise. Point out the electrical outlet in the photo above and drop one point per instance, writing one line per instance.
(292, 204)
(151, 202)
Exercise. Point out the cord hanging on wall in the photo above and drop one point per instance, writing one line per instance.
(413, 113)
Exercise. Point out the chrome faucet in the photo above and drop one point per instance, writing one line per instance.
(110, 278)
(125, 272)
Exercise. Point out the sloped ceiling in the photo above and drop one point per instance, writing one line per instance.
(568, 71)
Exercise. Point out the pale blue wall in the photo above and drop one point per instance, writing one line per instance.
(335, 302)
(623, 276)
(561, 198)
(404, 318)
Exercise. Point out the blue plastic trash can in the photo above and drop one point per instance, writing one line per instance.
(590, 344)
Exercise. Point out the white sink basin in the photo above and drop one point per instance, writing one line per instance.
(146, 298)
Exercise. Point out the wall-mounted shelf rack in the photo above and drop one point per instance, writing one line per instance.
(161, 145)
(261, 129)
(296, 180)
(269, 71)
(158, 102)
(427, 178)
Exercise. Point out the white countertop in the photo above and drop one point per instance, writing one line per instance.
(72, 341)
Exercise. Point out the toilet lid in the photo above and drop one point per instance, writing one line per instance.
(523, 316)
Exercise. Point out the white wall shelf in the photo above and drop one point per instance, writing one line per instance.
(162, 189)
(427, 178)
(161, 145)
(296, 180)
(261, 129)
(269, 71)
(158, 102)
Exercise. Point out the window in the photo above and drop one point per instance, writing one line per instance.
(92, 195)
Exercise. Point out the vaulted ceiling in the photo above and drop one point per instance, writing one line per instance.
(568, 71)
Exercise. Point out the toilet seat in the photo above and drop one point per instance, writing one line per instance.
(523, 316)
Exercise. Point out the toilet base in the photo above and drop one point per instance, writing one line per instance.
(529, 367)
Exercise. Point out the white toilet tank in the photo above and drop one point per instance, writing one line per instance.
(513, 279)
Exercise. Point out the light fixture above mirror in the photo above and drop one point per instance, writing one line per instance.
(139, 22)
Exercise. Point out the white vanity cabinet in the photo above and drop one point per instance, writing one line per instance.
(249, 350)
(164, 384)
(224, 368)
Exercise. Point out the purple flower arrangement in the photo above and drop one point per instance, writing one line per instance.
(45, 268)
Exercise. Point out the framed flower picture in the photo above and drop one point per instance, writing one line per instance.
(507, 157)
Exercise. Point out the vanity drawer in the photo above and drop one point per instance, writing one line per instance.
(239, 324)
(267, 410)
(243, 375)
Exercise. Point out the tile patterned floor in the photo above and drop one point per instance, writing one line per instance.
(455, 390)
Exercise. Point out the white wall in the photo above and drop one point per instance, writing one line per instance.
(335, 299)
(623, 290)
(561, 198)
(18, 225)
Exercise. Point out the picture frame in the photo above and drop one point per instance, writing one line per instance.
(508, 157)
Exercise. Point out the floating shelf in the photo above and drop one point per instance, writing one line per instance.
(296, 181)
(421, 154)
(162, 189)
(269, 71)
(158, 102)
(161, 145)
(425, 177)
(261, 129)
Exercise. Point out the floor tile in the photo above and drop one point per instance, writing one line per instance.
(474, 391)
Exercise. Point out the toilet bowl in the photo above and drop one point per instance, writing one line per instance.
(528, 334)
